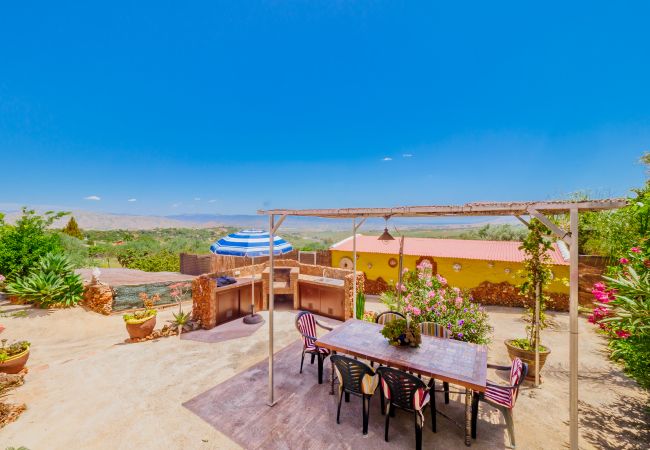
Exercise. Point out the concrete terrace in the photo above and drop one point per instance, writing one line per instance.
(208, 391)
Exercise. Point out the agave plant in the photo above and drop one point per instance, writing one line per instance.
(52, 281)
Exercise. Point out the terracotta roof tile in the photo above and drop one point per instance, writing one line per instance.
(447, 248)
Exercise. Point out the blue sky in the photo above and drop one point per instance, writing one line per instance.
(227, 107)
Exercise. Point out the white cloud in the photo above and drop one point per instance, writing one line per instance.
(93, 198)
(196, 199)
(387, 158)
(407, 155)
(176, 205)
(211, 201)
(132, 200)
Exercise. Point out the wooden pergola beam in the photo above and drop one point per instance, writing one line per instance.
(468, 209)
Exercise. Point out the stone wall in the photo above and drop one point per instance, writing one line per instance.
(204, 308)
(506, 294)
(98, 298)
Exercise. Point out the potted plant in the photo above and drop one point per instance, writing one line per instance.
(140, 324)
(402, 332)
(537, 276)
(13, 357)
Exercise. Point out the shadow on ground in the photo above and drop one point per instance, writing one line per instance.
(622, 424)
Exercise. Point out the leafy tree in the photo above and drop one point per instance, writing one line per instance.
(72, 229)
(23, 244)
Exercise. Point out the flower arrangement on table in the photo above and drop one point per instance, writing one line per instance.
(428, 298)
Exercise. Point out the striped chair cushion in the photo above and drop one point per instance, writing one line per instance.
(434, 329)
(506, 397)
(369, 383)
(420, 397)
(307, 325)
(313, 349)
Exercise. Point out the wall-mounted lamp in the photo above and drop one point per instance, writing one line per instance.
(507, 270)
(457, 267)
(490, 264)
(369, 265)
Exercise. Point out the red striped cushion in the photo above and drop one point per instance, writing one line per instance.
(385, 388)
(507, 397)
(313, 348)
(307, 325)
(420, 399)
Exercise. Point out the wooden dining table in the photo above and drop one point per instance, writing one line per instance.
(460, 363)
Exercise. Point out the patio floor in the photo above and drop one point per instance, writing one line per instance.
(87, 389)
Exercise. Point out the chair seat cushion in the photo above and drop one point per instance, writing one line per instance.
(499, 395)
(313, 349)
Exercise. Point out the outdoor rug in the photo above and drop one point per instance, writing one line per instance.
(304, 416)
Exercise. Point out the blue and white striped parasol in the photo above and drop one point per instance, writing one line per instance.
(251, 243)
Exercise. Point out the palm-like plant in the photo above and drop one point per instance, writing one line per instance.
(51, 281)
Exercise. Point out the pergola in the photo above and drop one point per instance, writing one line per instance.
(539, 210)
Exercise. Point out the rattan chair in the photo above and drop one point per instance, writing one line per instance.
(306, 325)
(502, 397)
(355, 378)
(409, 393)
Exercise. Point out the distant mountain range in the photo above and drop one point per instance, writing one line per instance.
(107, 221)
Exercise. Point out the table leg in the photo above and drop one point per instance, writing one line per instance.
(332, 375)
(468, 417)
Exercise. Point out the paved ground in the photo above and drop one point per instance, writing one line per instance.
(115, 277)
(86, 389)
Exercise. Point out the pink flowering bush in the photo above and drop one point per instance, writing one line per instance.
(428, 298)
(623, 311)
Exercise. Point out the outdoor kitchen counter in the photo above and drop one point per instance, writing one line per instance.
(234, 300)
(324, 296)
(323, 281)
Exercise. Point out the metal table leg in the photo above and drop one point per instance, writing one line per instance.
(468, 417)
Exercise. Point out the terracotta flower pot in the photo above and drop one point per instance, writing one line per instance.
(141, 330)
(15, 363)
(527, 356)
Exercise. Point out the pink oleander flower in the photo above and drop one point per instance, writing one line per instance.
(459, 302)
(635, 250)
(431, 294)
(599, 286)
(622, 334)
(416, 311)
(442, 280)
(405, 270)
(429, 283)
(624, 260)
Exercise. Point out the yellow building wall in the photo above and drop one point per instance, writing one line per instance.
(472, 273)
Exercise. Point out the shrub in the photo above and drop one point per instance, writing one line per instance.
(428, 298)
(149, 261)
(623, 312)
(51, 283)
(23, 244)
(139, 317)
